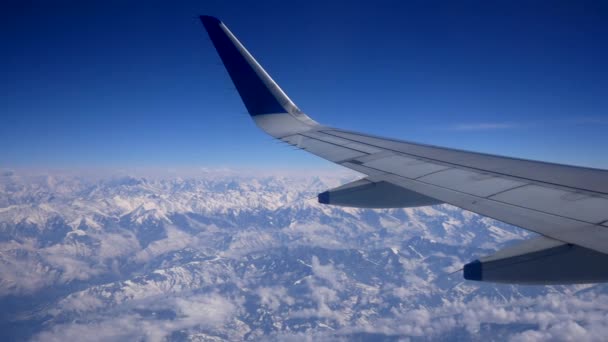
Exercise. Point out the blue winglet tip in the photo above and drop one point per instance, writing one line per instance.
(207, 19)
(473, 271)
(323, 197)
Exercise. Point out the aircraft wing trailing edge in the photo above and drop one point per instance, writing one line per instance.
(566, 205)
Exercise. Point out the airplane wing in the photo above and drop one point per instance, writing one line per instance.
(566, 205)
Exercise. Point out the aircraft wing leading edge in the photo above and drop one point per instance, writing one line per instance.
(566, 205)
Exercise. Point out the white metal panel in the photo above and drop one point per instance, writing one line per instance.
(470, 182)
(293, 139)
(363, 147)
(574, 205)
(364, 170)
(375, 156)
(331, 152)
(328, 138)
(279, 125)
(404, 166)
(317, 134)
(322, 149)
(342, 142)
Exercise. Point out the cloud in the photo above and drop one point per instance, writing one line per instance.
(327, 272)
(22, 276)
(210, 310)
(78, 302)
(563, 331)
(24, 269)
(556, 317)
(122, 328)
(589, 121)
(175, 240)
(483, 126)
(248, 241)
(490, 126)
(272, 297)
(117, 245)
(325, 300)
(206, 312)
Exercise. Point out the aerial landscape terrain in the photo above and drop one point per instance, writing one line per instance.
(233, 255)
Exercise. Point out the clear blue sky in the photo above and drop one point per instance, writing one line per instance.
(116, 84)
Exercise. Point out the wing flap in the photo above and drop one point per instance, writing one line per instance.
(364, 193)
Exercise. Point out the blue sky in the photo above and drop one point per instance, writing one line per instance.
(139, 84)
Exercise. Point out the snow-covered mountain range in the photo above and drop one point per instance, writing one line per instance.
(236, 256)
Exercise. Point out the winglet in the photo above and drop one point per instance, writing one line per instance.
(260, 94)
(258, 91)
